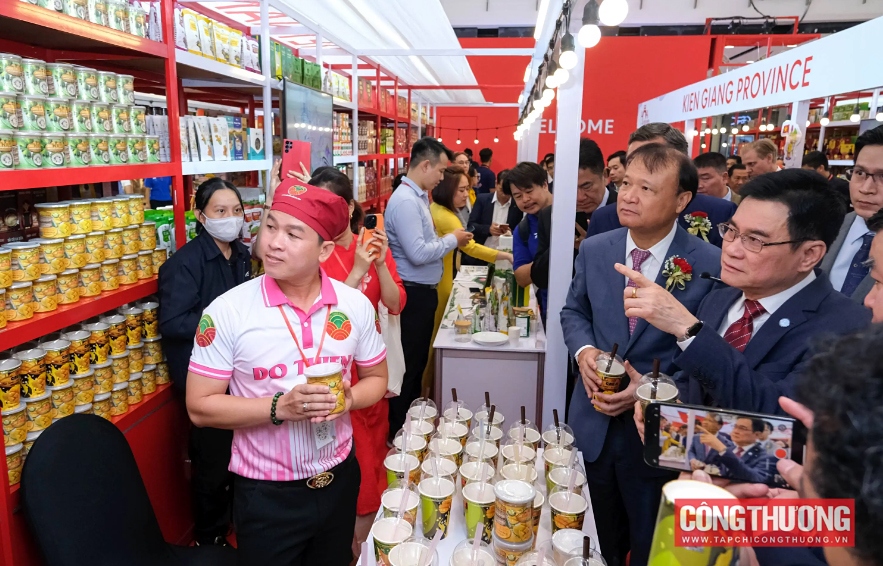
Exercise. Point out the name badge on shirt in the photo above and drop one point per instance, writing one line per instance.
(323, 434)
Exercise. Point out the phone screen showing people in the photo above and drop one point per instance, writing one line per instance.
(743, 447)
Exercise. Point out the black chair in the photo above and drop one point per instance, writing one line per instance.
(85, 502)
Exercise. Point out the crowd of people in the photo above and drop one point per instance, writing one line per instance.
(787, 257)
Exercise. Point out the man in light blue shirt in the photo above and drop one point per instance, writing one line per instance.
(418, 253)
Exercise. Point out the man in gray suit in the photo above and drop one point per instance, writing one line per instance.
(845, 263)
(659, 183)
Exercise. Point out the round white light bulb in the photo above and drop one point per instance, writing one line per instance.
(855, 118)
(589, 36)
(561, 76)
(567, 60)
(551, 81)
(745, 128)
(613, 12)
(879, 116)
(694, 133)
(734, 131)
(824, 121)
(707, 130)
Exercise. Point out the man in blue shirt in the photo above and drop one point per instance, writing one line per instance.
(488, 178)
(418, 253)
(160, 191)
(526, 183)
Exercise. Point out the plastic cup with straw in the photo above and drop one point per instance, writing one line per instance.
(426, 558)
(571, 483)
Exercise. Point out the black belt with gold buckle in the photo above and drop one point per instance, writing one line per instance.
(320, 481)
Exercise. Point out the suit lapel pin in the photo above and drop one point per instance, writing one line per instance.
(784, 323)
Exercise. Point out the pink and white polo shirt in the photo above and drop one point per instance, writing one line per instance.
(243, 338)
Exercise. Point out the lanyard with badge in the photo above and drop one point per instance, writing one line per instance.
(323, 433)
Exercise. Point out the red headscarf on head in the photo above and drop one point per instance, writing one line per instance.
(321, 210)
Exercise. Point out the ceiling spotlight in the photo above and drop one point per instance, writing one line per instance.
(475, 141)
(567, 59)
(745, 128)
(458, 141)
(613, 12)
(824, 121)
(856, 114)
(496, 139)
(561, 76)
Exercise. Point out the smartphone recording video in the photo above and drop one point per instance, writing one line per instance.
(743, 447)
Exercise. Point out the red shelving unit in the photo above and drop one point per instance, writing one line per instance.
(35, 178)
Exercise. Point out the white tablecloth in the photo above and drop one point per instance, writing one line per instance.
(457, 523)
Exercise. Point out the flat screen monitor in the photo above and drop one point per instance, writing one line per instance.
(307, 116)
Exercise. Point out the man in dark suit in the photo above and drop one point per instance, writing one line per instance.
(658, 184)
(616, 170)
(743, 459)
(492, 213)
(816, 161)
(747, 344)
(701, 206)
(844, 263)
(711, 423)
(488, 179)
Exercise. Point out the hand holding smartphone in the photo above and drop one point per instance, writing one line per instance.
(372, 223)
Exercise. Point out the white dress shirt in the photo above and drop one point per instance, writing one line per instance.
(770, 304)
(500, 216)
(850, 246)
(729, 195)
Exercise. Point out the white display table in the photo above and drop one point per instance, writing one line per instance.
(457, 523)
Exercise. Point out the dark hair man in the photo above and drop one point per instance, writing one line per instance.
(713, 176)
(702, 214)
(747, 343)
(738, 175)
(418, 253)
(816, 161)
(745, 458)
(549, 162)
(488, 179)
(492, 216)
(734, 160)
(845, 262)
(658, 184)
(468, 151)
(616, 169)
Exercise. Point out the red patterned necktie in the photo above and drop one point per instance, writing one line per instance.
(639, 256)
(739, 451)
(739, 333)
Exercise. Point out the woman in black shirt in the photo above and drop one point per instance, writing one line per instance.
(205, 268)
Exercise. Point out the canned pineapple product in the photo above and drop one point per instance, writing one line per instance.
(138, 116)
(62, 398)
(10, 111)
(75, 250)
(122, 124)
(145, 265)
(137, 21)
(103, 375)
(39, 409)
(148, 381)
(102, 214)
(45, 289)
(77, 8)
(120, 216)
(15, 424)
(5, 267)
(36, 83)
(152, 149)
(58, 114)
(55, 153)
(8, 150)
(83, 409)
(131, 239)
(134, 324)
(120, 368)
(99, 343)
(126, 88)
(95, 246)
(33, 112)
(25, 260)
(79, 350)
(81, 117)
(3, 309)
(102, 119)
(153, 349)
(114, 247)
(14, 461)
(116, 333)
(119, 399)
(136, 209)
(99, 148)
(10, 384)
(118, 15)
(102, 405)
(162, 373)
(63, 78)
(78, 150)
(90, 280)
(52, 259)
(119, 149)
(137, 149)
(55, 219)
(57, 360)
(20, 301)
(81, 216)
(32, 372)
(12, 76)
(29, 147)
(134, 388)
(110, 275)
(54, 5)
(68, 291)
(107, 87)
(87, 81)
(84, 388)
(147, 235)
(136, 358)
(160, 255)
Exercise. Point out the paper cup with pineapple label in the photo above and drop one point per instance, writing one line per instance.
(39, 411)
(15, 425)
(489, 454)
(559, 476)
(99, 343)
(102, 406)
(145, 265)
(45, 291)
(524, 472)
(103, 377)
(119, 399)
(436, 497)
(479, 507)
(116, 334)
(62, 397)
(95, 243)
(153, 350)
(20, 301)
(416, 445)
(68, 289)
(25, 260)
(120, 368)
(392, 498)
(5, 268)
(388, 533)
(449, 448)
(58, 361)
(136, 358)
(513, 519)
(79, 351)
(52, 259)
(435, 466)
(75, 251)
(10, 383)
(568, 510)
(14, 462)
(90, 280)
(330, 374)
(32, 372)
(472, 472)
(84, 388)
(148, 381)
(397, 465)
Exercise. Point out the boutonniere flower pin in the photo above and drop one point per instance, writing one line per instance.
(699, 224)
(677, 272)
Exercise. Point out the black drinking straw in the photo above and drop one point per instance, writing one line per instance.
(487, 399)
(490, 418)
(523, 420)
(612, 357)
(587, 547)
(557, 425)
(454, 393)
(655, 378)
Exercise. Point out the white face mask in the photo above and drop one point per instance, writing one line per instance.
(225, 229)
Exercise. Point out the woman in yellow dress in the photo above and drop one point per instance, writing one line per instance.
(449, 196)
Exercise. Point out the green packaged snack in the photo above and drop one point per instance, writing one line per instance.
(30, 150)
(78, 149)
(55, 150)
(58, 114)
(81, 116)
(118, 148)
(12, 75)
(100, 149)
(33, 112)
(8, 153)
(10, 112)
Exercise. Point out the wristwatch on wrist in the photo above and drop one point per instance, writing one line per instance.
(692, 331)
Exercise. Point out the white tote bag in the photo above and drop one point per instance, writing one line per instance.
(391, 331)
